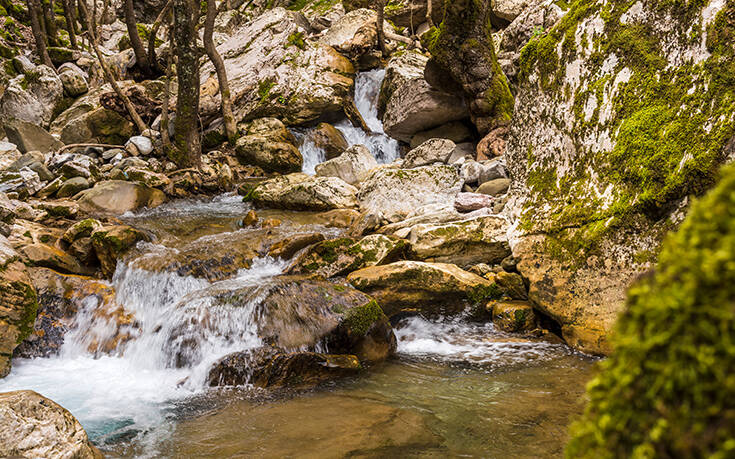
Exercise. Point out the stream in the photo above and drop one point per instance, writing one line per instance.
(455, 388)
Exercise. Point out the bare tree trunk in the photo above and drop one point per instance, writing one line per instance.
(140, 55)
(187, 141)
(82, 11)
(380, 9)
(105, 10)
(165, 138)
(154, 32)
(70, 27)
(219, 66)
(429, 13)
(92, 29)
(34, 12)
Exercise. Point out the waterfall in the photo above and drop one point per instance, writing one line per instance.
(385, 149)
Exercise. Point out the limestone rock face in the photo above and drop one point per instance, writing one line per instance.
(117, 197)
(431, 288)
(645, 153)
(275, 70)
(480, 240)
(410, 104)
(352, 166)
(34, 426)
(17, 304)
(32, 98)
(393, 194)
(302, 192)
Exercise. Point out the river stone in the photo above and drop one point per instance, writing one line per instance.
(18, 299)
(339, 257)
(303, 192)
(30, 137)
(118, 197)
(268, 368)
(428, 288)
(275, 69)
(355, 33)
(513, 316)
(288, 247)
(44, 255)
(393, 194)
(469, 202)
(32, 98)
(329, 139)
(352, 166)
(72, 186)
(480, 240)
(512, 284)
(411, 105)
(495, 187)
(430, 152)
(35, 426)
(142, 144)
(111, 243)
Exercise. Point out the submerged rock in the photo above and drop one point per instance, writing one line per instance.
(35, 426)
(428, 288)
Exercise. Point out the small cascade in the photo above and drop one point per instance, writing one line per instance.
(385, 149)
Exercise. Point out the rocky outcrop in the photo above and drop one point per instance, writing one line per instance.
(32, 97)
(117, 197)
(34, 426)
(392, 194)
(275, 70)
(410, 105)
(303, 192)
(428, 288)
(17, 304)
(590, 230)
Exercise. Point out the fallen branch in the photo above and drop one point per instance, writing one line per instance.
(86, 145)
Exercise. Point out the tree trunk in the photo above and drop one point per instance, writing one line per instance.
(82, 12)
(380, 9)
(152, 59)
(165, 138)
(137, 44)
(219, 66)
(70, 26)
(92, 28)
(187, 148)
(34, 12)
(430, 13)
(52, 33)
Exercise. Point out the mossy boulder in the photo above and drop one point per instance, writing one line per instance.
(667, 390)
(626, 95)
(513, 316)
(19, 304)
(111, 243)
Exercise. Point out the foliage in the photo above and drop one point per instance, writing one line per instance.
(669, 388)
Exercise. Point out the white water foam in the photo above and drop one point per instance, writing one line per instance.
(385, 149)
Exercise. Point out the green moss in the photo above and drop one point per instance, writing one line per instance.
(484, 293)
(264, 89)
(668, 388)
(359, 320)
(296, 39)
(28, 317)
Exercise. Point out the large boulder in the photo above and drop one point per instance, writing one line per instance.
(268, 144)
(588, 232)
(430, 152)
(30, 137)
(18, 300)
(411, 104)
(353, 34)
(393, 194)
(73, 79)
(32, 97)
(35, 426)
(352, 166)
(480, 240)
(303, 192)
(275, 70)
(117, 197)
(428, 288)
(329, 139)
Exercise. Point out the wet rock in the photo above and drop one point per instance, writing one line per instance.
(32, 97)
(267, 367)
(468, 202)
(118, 197)
(411, 105)
(288, 247)
(337, 218)
(428, 288)
(35, 426)
(250, 219)
(495, 187)
(72, 186)
(455, 131)
(512, 285)
(81, 229)
(302, 192)
(276, 70)
(329, 139)
(112, 242)
(18, 300)
(44, 255)
(513, 316)
(352, 166)
(393, 194)
(30, 137)
(430, 152)
(339, 257)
